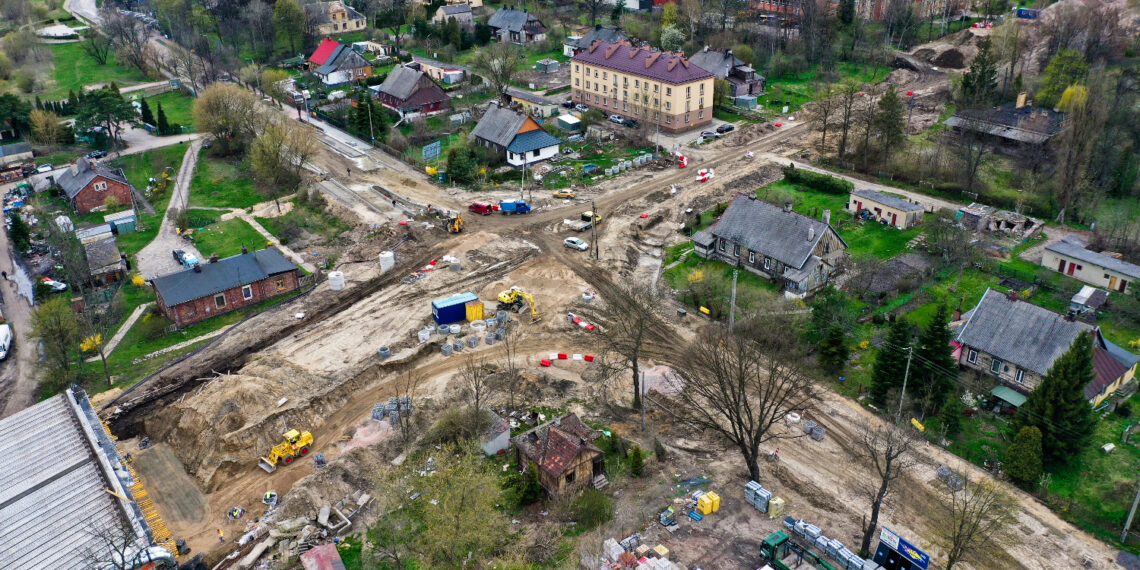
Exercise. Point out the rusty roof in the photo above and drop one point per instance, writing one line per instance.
(555, 445)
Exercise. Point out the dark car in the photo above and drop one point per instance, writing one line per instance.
(179, 255)
(725, 128)
(630, 123)
(97, 154)
(568, 104)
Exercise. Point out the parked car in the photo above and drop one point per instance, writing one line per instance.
(564, 193)
(617, 119)
(481, 208)
(178, 255)
(44, 168)
(97, 154)
(187, 260)
(568, 104)
(630, 123)
(5, 340)
(725, 128)
(709, 135)
(56, 286)
(581, 108)
(576, 243)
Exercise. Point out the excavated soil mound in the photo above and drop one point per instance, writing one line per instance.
(952, 58)
(954, 51)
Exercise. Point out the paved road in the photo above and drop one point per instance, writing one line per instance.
(85, 9)
(18, 378)
(155, 259)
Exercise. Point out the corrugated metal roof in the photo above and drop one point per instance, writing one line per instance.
(1077, 252)
(83, 172)
(770, 230)
(401, 82)
(323, 51)
(510, 19)
(1009, 395)
(55, 489)
(234, 271)
(499, 125)
(1019, 332)
(887, 200)
(532, 140)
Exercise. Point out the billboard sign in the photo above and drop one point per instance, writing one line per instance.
(433, 150)
(910, 552)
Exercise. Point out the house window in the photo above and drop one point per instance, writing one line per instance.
(686, 108)
(220, 300)
(625, 106)
(100, 186)
(596, 98)
(1020, 376)
(995, 366)
(654, 87)
(701, 103)
(1106, 276)
(625, 95)
(668, 120)
(595, 74)
(688, 92)
(636, 83)
(767, 263)
(576, 68)
(752, 257)
(280, 284)
(736, 250)
(569, 477)
(686, 117)
(247, 292)
(972, 357)
(605, 101)
(577, 82)
(701, 115)
(722, 244)
(605, 75)
(534, 154)
(668, 105)
(702, 89)
(625, 82)
(668, 91)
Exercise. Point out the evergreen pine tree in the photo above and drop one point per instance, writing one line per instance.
(833, 350)
(951, 416)
(1023, 460)
(636, 461)
(19, 233)
(163, 126)
(934, 370)
(361, 115)
(979, 83)
(39, 104)
(115, 87)
(379, 120)
(846, 11)
(72, 101)
(890, 122)
(1058, 406)
(452, 33)
(147, 116)
(890, 363)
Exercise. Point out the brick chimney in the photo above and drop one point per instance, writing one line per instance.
(198, 268)
(213, 258)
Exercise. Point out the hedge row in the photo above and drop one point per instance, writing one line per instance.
(817, 181)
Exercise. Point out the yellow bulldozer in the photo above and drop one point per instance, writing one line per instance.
(296, 444)
(515, 299)
(454, 225)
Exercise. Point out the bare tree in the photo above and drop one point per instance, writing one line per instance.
(974, 521)
(478, 381)
(726, 10)
(512, 376)
(592, 7)
(113, 546)
(973, 149)
(823, 111)
(406, 386)
(98, 47)
(129, 35)
(889, 451)
(741, 385)
(626, 322)
(498, 63)
(849, 92)
(1086, 112)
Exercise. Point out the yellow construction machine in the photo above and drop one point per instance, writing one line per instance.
(454, 225)
(515, 299)
(296, 444)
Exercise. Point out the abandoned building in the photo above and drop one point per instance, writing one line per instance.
(982, 218)
(564, 453)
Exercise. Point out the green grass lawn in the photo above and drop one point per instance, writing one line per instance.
(139, 168)
(801, 88)
(222, 184)
(74, 69)
(179, 108)
(226, 238)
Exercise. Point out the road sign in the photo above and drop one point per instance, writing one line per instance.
(433, 150)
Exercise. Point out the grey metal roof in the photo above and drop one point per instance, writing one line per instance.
(510, 19)
(55, 487)
(1077, 252)
(235, 271)
(499, 125)
(611, 35)
(83, 172)
(1126, 358)
(102, 254)
(401, 82)
(529, 96)
(887, 200)
(14, 149)
(1018, 332)
(718, 63)
(533, 140)
(770, 230)
(343, 57)
(455, 9)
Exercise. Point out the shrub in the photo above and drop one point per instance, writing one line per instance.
(1023, 460)
(527, 490)
(1124, 409)
(458, 425)
(153, 327)
(816, 181)
(636, 461)
(593, 508)
(658, 450)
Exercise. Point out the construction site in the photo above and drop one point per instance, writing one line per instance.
(265, 443)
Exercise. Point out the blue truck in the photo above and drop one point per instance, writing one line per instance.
(514, 207)
(1028, 13)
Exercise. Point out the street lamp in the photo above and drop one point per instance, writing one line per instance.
(910, 109)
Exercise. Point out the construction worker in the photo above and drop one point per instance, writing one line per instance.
(235, 513)
(221, 536)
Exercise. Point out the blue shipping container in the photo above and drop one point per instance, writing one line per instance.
(1028, 13)
(452, 309)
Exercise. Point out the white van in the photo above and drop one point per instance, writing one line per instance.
(5, 340)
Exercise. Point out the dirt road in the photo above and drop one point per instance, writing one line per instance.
(155, 259)
(18, 378)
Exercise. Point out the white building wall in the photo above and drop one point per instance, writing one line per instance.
(518, 160)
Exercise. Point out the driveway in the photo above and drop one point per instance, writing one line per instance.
(156, 260)
(18, 375)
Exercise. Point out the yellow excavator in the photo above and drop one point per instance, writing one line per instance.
(454, 225)
(515, 298)
(296, 444)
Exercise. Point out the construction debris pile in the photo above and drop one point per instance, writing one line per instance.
(981, 218)
(631, 553)
(290, 538)
(813, 536)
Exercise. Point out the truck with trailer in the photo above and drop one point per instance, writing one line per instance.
(514, 207)
(587, 221)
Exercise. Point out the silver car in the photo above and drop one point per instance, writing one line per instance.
(576, 243)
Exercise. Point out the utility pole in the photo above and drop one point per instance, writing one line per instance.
(732, 303)
(594, 229)
(371, 132)
(1127, 525)
(641, 386)
(909, 355)
(522, 181)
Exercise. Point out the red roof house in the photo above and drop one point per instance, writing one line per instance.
(322, 53)
(564, 453)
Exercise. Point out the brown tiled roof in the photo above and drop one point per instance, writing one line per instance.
(644, 62)
(555, 445)
(1108, 369)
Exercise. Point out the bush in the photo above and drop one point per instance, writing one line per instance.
(636, 461)
(592, 508)
(458, 425)
(153, 327)
(525, 487)
(658, 450)
(816, 181)
(1124, 409)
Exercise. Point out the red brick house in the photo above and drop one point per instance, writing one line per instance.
(88, 184)
(224, 285)
(410, 90)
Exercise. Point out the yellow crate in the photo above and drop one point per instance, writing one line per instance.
(661, 551)
(715, 498)
(474, 311)
(704, 504)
